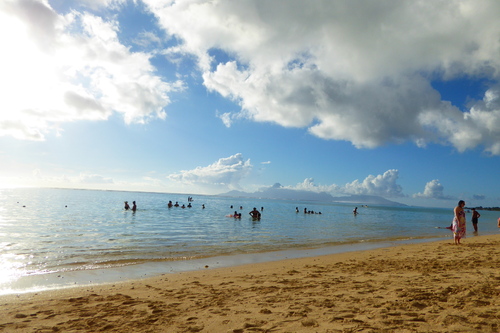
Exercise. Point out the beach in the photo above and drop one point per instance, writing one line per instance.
(425, 287)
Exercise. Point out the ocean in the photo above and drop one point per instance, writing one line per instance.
(57, 238)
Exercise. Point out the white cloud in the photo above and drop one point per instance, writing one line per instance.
(357, 71)
(226, 172)
(226, 118)
(384, 185)
(381, 185)
(309, 185)
(147, 38)
(479, 126)
(62, 68)
(433, 190)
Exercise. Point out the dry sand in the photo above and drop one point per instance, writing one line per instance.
(426, 287)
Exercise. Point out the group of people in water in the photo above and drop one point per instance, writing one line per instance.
(134, 206)
(306, 211)
(170, 204)
(255, 214)
(458, 225)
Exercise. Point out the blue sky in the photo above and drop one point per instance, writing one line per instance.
(398, 99)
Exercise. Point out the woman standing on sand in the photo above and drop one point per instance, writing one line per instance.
(458, 225)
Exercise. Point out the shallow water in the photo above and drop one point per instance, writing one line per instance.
(53, 231)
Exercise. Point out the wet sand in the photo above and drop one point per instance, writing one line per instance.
(424, 287)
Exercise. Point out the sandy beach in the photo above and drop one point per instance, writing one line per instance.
(425, 287)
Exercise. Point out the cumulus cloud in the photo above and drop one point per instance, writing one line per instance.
(226, 172)
(384, 185)
(358, 71)
(309, 185)
(354, 71)
(433, 190)
(63, 68)
(478, 126)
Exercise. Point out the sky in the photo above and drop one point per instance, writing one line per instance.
(398, 99)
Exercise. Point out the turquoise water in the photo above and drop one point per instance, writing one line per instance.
(48, 231)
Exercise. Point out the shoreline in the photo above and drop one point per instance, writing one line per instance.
(417, 287)
(107, 275)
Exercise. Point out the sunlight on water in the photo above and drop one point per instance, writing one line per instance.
(11, 266)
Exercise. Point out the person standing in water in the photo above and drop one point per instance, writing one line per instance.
(134, 206)
(255, 214)
(127, 207)
(475, 218)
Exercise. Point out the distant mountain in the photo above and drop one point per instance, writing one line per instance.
(280, 193)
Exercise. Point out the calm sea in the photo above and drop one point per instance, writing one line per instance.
(58, 237)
